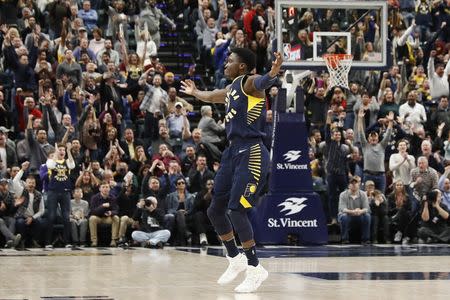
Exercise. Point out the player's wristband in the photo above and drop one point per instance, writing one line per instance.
(264, 82)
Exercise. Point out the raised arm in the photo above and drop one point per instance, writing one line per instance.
(216, 96)
(256, 84)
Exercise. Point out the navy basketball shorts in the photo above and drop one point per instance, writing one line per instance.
(242, 175)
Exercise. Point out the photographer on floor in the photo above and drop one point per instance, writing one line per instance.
(150, 218)
(434, 216)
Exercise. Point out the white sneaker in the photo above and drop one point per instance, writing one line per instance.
(236, 265)
(405, 241)
(253, 279)
(398, 237)
(203, 239)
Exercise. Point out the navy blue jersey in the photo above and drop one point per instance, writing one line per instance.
(245, 115)
(58, 178)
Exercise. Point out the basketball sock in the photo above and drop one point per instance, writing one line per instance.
(232, 249)
(251, 256)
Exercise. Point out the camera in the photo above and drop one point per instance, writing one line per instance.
(148, 202)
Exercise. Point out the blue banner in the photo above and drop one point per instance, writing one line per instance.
(291, 207)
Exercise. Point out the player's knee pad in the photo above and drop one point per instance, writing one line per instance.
(242, 224)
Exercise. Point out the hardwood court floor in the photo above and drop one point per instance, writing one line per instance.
(326, 272)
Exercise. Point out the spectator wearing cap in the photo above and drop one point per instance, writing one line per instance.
(150, 217)
(354, 211)
(88, 15)
(178, 122)
(174, 98)
(8, 156)
(211, 130)
(9, 142)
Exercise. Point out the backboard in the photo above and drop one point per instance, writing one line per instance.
(306, 30)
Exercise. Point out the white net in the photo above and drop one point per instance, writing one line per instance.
(338, 66)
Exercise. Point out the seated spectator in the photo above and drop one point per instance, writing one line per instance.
(179, 204)
(444, 186)
(30, 209)
(434, 215)
(400, 213)
(88, 184)
(210, 129)
(79, 210)
(199, 219)
(150, 218)
(104, 210)
(378, 217)
(354, 212)
(8, 208)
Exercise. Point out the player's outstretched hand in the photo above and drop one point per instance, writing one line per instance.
(276, 64)
(188, 87)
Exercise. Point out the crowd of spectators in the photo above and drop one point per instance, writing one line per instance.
(93, 131)
(390, 130)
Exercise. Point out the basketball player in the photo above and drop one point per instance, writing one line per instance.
(244, 164)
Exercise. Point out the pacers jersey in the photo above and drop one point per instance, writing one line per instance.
(59, 177)
(245, 115)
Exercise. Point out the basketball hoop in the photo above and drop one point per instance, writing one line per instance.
(338, 66)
